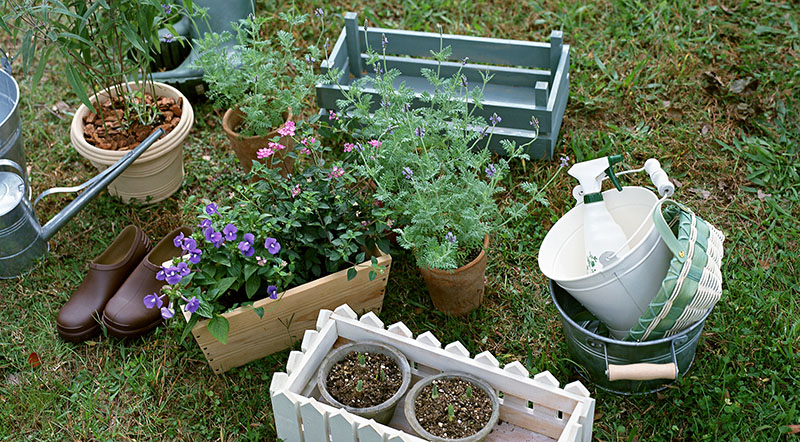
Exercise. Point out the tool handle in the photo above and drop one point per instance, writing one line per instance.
(642, 372)
(659, 177)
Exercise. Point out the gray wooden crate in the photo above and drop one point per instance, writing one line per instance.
(529, 78)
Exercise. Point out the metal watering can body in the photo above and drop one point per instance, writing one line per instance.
(23, 240)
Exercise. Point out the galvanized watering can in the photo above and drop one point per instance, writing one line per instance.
(22, 239)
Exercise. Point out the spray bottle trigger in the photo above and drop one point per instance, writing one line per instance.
(613, 178)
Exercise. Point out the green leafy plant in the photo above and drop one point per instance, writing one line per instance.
(266, 78)
(107, 42)
(430, 173)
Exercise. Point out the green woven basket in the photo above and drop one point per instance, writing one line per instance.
(693, 283)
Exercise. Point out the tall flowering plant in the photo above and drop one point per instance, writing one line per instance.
(430, 171)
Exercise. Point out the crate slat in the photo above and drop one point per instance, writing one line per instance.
(315, 421)
(343, 429)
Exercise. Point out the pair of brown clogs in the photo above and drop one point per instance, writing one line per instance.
(115, 287)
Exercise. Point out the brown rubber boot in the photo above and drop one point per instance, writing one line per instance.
(79, 318)
(125, 315)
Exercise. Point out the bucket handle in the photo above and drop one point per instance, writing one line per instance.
(678, 251)
(643, 371)
(18, 169)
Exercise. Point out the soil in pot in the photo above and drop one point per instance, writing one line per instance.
(471, 408)
(108, 130)
(377, 375)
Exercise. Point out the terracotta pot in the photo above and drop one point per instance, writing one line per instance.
(158, 173)
(460, 292)
(246, 148)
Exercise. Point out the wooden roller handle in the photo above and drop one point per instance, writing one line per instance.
(642, 372)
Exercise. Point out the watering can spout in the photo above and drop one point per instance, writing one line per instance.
(95, 186)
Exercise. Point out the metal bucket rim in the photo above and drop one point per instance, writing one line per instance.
(667, 340)
(16, 102)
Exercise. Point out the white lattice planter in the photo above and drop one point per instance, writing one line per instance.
(531, 409)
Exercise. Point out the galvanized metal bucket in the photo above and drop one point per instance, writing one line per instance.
(620, 366)
(11, 146)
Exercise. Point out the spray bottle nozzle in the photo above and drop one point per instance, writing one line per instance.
(612, 160)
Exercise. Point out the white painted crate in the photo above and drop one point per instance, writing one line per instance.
(530, 410)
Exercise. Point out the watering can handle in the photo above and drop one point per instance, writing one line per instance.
(17, 168)
(642, 372)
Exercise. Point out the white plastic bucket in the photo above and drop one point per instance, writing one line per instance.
(621, 292)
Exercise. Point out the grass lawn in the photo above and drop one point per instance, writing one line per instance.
(711, 91)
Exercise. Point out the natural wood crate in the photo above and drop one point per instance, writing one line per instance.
(531, 409)
(286, 318)
(529, 78)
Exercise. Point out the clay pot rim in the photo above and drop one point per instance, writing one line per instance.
(231, 112)
(466, 266)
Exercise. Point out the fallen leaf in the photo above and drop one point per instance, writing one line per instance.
(794, 429)
(705, 130)
(715, 83)
(740, 85)
(677, 183)
(762, 196)
(726, 9)
(34, 360)
(62, 107)
(705, 194)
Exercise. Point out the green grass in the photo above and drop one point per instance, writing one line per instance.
(638, 86)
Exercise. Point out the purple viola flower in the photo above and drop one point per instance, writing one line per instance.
(250, 238)
(153, 300)
(420, 132)
(183, 269)
(246, 248)
(490, 170)
(204, 224)
(406, 107)
(207, 232)
(167, 8)
(215, 238)
(408, 173)
(564, 161)
(464, 61)
(495, 119)
(161, 274)
(450, 237)
(464, 81)
(192, 305)
(178, 240)
(384, 41)
(167, 312)
(272, 245)
(319, 12)
(272, 291)
(378, 70)
(211, 209)
(189, 244)
(195, 256)
(168, 38)
(173, 275)
(230, 232)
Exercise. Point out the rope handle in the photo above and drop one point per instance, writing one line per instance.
(664, 230)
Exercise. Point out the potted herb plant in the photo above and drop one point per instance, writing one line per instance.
(263, 87)
(279, 249)
(106, 44)
(432, 176)
(451, 407)
(365, 378)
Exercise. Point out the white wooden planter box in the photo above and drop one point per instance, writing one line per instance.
(530, 409)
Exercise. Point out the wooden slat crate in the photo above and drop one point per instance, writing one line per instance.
(286, 318)
(531, 409)
(529, 78)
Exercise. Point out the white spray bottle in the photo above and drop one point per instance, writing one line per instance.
(602, 235)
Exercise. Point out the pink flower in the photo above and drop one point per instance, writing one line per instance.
(308, 141)
(305, 151)
(276, 146)
(336, 172)
(296, 191)
(348, 147)
(287, 130)
(264, 152)
(375, 143)
(332, 116)
(261, 261)
(389, 222)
